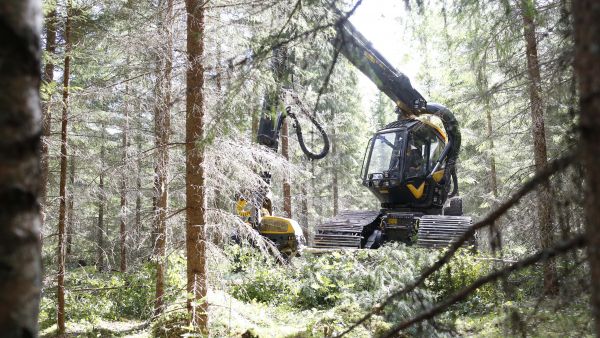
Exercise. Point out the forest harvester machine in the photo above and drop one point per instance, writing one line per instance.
(409, 165)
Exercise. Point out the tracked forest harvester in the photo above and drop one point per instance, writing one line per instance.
(409, 165)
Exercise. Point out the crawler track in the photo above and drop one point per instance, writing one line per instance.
(346, 230)
(440, 231)
(350, 229)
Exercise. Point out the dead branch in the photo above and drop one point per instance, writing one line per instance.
(543, 255)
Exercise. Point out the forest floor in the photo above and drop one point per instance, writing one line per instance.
(319, 295)
(268, 321)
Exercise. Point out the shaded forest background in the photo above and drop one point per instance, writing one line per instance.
(130, 89)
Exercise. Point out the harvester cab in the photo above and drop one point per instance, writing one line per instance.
(404, 164)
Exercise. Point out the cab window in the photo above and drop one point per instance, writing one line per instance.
(417, 153)
(436, 148)
(384, 156)
(423, 150)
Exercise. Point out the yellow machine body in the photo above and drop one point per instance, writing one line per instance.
(285, 233)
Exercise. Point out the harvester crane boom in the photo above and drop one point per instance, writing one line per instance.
(360, 52)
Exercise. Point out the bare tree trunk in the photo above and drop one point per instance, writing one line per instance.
(154, 232)
(51, 21)
(316, 194)
(493, 231)
(287, 189)
(220, 201)
(101, 203)
(139, 139)
(138, 183)
(162, 125)
(546, 230)
(334, 171)
(123, 188)
(195, 189)
(63, 177)
(304, 210)
(494, 236)
(492, 158)
(70, 205)
(20, 222)
(255, 113)
(587, 67)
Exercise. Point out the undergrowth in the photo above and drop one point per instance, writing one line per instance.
(343, 286)
(321, 295)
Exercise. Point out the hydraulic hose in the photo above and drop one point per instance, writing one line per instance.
(324, 136)
(454, 191)
(453, 131)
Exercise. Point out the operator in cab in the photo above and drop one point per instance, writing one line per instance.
(414, 161)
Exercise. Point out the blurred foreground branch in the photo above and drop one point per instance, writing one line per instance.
(562, 247)
(540, 177)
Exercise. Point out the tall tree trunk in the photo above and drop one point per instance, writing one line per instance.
(587, 67)
(139, 139)
(138, 179)
(287, 189)
(162, 125)
(492, 158)
(154, 232)
(494, 232)
(123, 188)
(63, 177)
(545, 228)
(304, 210)
(316, 194)
(20, 223)
(220, 201)
(70, 205)
(195, 189)
(255, 117)
(51, 21)
(101, 204)
(334, 170)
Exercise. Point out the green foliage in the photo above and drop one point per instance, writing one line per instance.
(92, 296)
(551, 318)
(265, 286)
(339, 286)
(326, 280)
(268, 283)
(173, 324)
(242, 257)
(338, 318)
(464, 268)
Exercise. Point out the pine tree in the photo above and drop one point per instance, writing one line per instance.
(48, 78)
(195, 180)
(62, 213)
(546, 229)
(162, 126)
(587, 66)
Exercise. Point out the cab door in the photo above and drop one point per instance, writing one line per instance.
(423, 150)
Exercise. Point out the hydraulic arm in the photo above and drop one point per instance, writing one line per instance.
(359, 51)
